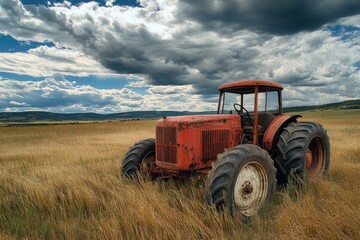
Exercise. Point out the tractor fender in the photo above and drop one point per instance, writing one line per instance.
(275, 128)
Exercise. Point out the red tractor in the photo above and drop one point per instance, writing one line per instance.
(245, 148)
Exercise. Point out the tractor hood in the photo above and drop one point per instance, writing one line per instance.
(196, 121)
(192, 142)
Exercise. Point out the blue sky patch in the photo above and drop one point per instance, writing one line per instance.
(99, 82)
(19, 77)
(357, 65)
(10, 44)
(344, 32)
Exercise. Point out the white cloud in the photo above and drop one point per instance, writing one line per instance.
(19, 104)
(61, 95)
(184, 89)
(351, 21)
(110, 3)
(45, 61)
(315, 63)
(62, 4)
(137, 84)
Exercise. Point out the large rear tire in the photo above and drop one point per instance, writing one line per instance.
(305, 150)
(241, 179)
(140, 159)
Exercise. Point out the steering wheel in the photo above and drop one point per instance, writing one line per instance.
(242, 114)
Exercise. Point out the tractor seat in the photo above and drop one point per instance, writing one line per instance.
(249, 130)
(265, 119)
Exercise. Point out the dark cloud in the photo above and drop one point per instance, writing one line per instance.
(275, 17)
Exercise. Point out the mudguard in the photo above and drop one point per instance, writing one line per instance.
(275, 128)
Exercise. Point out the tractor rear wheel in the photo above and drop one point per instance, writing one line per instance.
(305, 150)
(241, 179)
(140, 159)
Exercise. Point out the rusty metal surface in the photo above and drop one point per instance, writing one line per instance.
(219, 102)
(166, 144)
(197, 141)
(315, 158)
(214, 141)
(308, 159)
(280, 102)
(250, 83)
(256, 116)
(274, 127)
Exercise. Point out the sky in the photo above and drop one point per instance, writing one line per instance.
(124, 55)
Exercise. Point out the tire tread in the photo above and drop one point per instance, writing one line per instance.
(224, 172)
(135, 155)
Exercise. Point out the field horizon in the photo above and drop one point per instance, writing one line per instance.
(41, 117)
(63, 182)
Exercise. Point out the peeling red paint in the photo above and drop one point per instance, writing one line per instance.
(189, 140)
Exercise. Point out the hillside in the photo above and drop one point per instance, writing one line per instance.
(350, 104)
(36, 116)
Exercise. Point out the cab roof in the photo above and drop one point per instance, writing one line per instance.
(247, 86)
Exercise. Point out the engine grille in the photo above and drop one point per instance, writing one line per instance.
(166, 144)
(214, 141)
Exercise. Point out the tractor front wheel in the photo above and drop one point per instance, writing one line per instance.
(140, 159)
(241, 179)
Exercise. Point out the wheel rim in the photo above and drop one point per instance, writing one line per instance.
(146, 165)
(315, 159)
(251, 188)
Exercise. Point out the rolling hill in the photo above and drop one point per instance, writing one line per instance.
(36, 116)
(350, 104)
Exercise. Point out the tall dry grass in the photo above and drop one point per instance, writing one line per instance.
(62, 182)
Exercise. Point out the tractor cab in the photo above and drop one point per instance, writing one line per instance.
(257, 102)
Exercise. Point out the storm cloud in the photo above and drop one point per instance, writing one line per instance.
(278, 17)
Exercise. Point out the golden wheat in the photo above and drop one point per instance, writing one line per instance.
(63, 182)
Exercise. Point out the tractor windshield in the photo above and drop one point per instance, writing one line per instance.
(267, 102)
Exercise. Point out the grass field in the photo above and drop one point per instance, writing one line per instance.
(62, 182)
